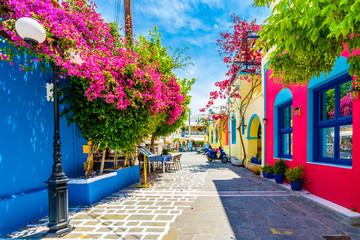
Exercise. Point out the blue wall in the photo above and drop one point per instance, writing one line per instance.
(26, 137)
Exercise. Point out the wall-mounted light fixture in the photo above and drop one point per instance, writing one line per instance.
(245, 126)
(297, 111)
(354, 93)
(264, 121)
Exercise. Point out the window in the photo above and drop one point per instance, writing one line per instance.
(233, 130)
(217, 135)
(212, 136)
(333, 123)
(285, 130)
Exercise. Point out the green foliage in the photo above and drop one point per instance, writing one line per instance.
(165, 151)
(257, 172)
(152, 50)
(307, 37)
(101, 122)
(175, 140)
(280, 167)
(296, 173)
(268, 168)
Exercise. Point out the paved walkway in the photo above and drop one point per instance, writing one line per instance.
(203, 201)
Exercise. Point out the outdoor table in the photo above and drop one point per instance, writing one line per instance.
(157, 159)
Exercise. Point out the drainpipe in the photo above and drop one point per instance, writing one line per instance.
(264, 149)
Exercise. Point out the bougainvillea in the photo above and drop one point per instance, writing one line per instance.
(238, 51)
(118, 83)
(243, 60)
(116, 74)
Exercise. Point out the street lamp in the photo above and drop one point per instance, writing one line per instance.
(33, 33)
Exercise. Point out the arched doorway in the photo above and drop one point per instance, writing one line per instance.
(254, 137)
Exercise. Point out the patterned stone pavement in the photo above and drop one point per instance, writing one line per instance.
(202, 201)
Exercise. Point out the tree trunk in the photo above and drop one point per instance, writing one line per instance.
(152, 144)
(243, 147)
(126, 158)
(115, 159)
(164, 142)
(103, 160)
(90, 159)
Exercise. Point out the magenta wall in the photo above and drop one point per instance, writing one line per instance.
(336, 184)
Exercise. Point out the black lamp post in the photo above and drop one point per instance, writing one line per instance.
(33, 33)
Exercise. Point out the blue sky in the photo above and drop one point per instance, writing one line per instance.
(196, 24)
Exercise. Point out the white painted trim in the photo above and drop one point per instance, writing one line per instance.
(90, 180)
(331, 165)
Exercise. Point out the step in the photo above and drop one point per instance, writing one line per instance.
(341, 212)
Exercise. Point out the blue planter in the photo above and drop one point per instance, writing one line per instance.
(296, 185)
(268, 175)
(90, 190)
(279, 178)
(255, 160)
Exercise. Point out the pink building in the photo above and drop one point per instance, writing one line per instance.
(323, 136)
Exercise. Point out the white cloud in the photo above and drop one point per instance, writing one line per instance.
(176, 14)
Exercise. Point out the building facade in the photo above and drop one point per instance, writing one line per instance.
(249, 109)
(317, 126)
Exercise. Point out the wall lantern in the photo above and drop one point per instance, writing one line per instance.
(354, 93)
(264, 121)
(297, 111)
(30, 30)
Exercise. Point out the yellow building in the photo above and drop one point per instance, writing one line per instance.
(216, 134)
(245, 120)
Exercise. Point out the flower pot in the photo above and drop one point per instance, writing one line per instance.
(268, 175)
(279, 178)
(259, 162)
(296, 185)
(252, 160)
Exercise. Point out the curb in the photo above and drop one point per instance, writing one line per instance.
(341, 212)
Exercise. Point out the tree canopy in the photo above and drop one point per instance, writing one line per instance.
(307, 37)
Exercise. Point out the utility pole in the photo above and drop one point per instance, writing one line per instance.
(128, 20)
(189, 125)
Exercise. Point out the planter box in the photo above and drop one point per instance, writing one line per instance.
(296, 185)
(91, 190)
(268, 175)
(279, 178)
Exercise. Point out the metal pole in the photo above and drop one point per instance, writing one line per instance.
(57, 183)
(189, 125)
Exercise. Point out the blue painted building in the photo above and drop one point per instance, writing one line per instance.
(26, 146)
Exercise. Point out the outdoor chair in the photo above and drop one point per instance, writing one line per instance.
(172, 161)
(178, 162)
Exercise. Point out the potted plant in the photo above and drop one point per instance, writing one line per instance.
(279, 171)
(268, 171)
(259, 161)
(255, 160)
(295, 176)
(165, 151)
